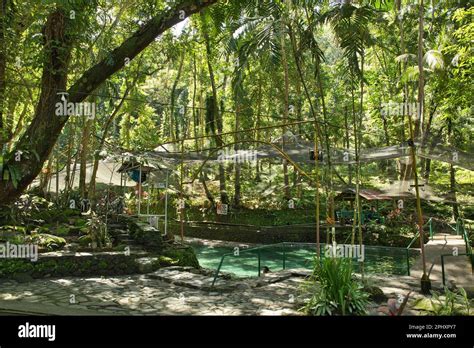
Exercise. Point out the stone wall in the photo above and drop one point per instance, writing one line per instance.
(252, 234)
(74, 264)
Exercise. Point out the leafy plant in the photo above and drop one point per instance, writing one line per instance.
(97, 233)
(46, 241)
(452, 303)
(334, 289)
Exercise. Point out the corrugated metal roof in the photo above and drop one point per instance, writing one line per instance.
(368, 194)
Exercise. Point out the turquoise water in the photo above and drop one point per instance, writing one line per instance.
(377, 259)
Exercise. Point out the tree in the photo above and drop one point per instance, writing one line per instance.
(40, 137)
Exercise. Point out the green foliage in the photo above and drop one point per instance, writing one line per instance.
(14, 266)
(97, 234)
(450, 303)
(180, 256)
(143, 134)
(334, 290)
(249, 39)
(47, 241)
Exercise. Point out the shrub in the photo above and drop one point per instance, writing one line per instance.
(96, 233)
(46, 241)
(334, 289)
(452, 303)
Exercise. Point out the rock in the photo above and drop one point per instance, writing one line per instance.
(375, 294)
(145, 234)
(242, 286)
(72, 247)
(184, 256)
(147, 264)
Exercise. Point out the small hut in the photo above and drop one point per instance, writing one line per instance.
(349, 195)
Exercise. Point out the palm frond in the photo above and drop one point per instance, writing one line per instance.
(434, 59)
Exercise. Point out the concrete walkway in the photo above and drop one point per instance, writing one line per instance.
(458, 269)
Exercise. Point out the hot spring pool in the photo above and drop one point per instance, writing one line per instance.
(387, 260)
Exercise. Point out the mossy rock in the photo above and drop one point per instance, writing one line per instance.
(145, 234)
(48, 241)
(167, 261)
(182, 256)
(375, 294)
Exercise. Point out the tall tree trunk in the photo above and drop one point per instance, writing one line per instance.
(359, 135)
(452, 175)
(421, 77)
(426, 165)
(414, 132)
(45, 177)
(347, 142)
(385, 127)
(217, 113)
(92, 182)
(452, 190)
(174, 129)
(286, 106)
(195, 114)
(317, 137)
(405, 167)
(356, 219)
(3, 65)
(330, 198)
(84, 155)
(70, 145)
(237, 186)
(257, 125)
(43, 131)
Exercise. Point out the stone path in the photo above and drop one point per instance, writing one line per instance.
(178, 291)
(147, 295)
